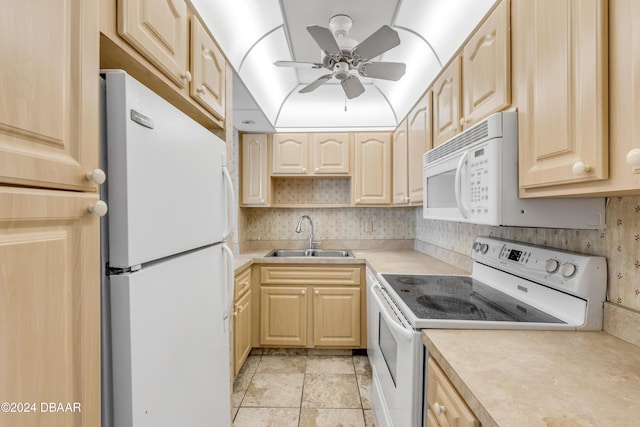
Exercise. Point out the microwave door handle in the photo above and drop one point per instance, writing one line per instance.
(458, 186)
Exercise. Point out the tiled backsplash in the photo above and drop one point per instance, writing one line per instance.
(329, 223)
(619, 243)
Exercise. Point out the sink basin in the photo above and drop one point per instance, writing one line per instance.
(319, 253)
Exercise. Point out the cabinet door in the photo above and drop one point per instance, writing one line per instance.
(241, 331)
(49, 86)
(419, 142)
(158, 30)
(446, 103)
(372, 180)
(331, 153)
(290, 154)
(283, 316)
(50, 305)
(562, 90)
(255, 177)
(400, 158)
(336, 317)
(445, 403)
(208, 68)
(486, 70)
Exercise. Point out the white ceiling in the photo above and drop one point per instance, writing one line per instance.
(255, 33)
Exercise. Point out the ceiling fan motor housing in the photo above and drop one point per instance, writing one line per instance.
(341, 70)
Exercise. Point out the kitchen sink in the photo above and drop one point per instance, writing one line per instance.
(319, 253)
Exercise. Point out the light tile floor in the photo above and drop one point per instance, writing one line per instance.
(303, 388)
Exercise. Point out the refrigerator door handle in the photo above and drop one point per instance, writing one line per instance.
(230, 281)
(232, 203)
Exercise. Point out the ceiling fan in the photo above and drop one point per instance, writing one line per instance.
(346, 58)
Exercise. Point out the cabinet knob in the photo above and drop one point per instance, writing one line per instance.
(201, 90)
(317, 170)
(438, 409)
(304, 170)
(97, 175)
(357, 200)
(580, 168)
(317, 292)
(462, 121)
(99, 208)
(186, 76)
(261, 200)
(303, 292)
(633, 157)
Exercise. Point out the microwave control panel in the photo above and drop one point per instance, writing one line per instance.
(479, 173)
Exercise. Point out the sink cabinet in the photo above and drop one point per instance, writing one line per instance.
(311, 306)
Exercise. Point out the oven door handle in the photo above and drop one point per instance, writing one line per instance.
(458, 186)
(394, 324)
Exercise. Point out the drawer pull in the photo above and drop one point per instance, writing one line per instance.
(438, 409)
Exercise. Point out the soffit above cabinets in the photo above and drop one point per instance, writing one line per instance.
(255, 33)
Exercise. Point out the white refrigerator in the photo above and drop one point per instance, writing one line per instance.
(168, 274)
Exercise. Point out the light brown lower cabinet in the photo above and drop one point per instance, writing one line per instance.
(311, 306)
(241, 320)
(446, 408)
(49, 308)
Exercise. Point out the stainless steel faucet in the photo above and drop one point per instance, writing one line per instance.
(312, 242)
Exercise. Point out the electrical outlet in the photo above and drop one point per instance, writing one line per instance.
(368, 227)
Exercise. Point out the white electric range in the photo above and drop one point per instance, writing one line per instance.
(513, 286)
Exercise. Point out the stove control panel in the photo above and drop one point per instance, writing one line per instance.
(566, 271)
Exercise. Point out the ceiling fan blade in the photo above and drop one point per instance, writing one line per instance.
(297, 64)
(352, 87)
(383, 70)
(324, 37)
(382, 40)
(315, 84)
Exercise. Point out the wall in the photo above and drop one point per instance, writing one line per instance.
(619, 243)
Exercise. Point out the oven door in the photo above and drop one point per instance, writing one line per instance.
(397, 358)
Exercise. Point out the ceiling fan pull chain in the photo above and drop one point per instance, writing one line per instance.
(345, 102)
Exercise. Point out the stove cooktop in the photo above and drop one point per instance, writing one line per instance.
(461, 298)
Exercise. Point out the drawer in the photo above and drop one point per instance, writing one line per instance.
(445, 403)
(335, 276)
(242, 283)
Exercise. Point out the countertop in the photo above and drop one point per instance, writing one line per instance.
(541, 378)
(381, 261)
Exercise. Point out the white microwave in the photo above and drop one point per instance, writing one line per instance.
(473, 177)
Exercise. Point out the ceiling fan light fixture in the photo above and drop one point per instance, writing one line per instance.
(341, 70)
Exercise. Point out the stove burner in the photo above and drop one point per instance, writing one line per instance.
(450, 305)
(411, 280)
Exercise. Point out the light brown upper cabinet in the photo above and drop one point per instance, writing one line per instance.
(410, 141)
(560, 76)
(477, 82)
(305, 154)
(158, 30)
(372, 174)
(486, 68)
(400, 157)
(208, 68)
(624, 110)
(419, 142)
(255, 176)
(446, 103)
(49, 107)
(164, 45)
